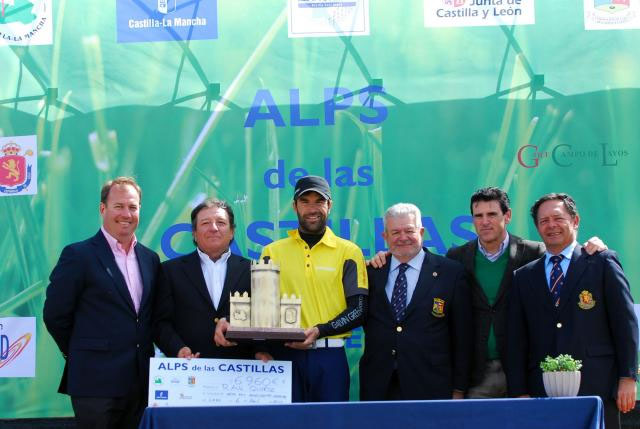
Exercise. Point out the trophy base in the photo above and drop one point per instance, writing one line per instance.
(261, 334)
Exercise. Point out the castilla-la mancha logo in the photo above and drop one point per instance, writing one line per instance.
(26, 22)
(18, 167)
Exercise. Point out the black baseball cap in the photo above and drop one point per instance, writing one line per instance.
(312, 183)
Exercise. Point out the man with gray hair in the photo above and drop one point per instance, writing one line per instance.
(418, 342)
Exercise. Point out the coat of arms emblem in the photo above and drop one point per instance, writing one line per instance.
(15, 169)
(586, 301)
(438, 307)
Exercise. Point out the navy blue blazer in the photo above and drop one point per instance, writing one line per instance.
(594, 322)
(184, 311)
(90, 314)
(431, 348)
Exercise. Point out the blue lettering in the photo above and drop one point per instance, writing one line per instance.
(167, 248)
(4, 347)
(279, 171)
(345, 177)
(296, 174)
(165, 240)
(327, 170)
(368, 100)
(296, 120)
(255, 237)
(459, 231)
(355, 341)
(366, 173)
(436, 240)
(263, 96)
(379, 241)
(331, 106)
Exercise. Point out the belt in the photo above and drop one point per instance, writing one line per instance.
(325, 343)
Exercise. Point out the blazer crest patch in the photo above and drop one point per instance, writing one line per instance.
(438, 307)
(586, 301)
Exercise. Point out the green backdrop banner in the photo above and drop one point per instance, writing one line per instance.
(408, 113)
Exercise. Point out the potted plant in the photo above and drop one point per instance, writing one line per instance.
(561, 375)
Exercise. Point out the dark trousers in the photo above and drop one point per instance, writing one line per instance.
(394, 392)
(319, 375)
(110, 413)
(611, 414)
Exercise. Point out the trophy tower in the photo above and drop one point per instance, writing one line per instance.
(271, 316)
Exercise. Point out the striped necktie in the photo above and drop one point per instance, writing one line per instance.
(556, 279)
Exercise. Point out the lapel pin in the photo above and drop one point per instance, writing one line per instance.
(435, 274)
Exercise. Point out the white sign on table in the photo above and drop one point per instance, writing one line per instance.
(205, 382)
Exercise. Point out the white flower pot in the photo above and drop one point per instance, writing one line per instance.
(561, 383)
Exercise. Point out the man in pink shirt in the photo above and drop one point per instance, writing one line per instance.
(98, 310)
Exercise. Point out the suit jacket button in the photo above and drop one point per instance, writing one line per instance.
(558, 325)
(399, 329)
(216, 320)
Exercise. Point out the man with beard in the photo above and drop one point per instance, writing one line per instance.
(329, 274)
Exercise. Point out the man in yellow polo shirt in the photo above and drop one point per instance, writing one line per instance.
(329, 273)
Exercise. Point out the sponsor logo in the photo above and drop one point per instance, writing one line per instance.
(17, 347)
(9, 352)
(567, 155)
(191, 380)
(166, 20)
(470, 13)
(17, 166)
(611, 6)
(157, 380)
(162, 395)
(611, 14)
(26, 22)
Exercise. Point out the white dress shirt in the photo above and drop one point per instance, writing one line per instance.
(214, 274)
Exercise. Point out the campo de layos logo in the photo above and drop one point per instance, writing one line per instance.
(26, 22)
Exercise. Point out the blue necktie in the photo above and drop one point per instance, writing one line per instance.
(399, 294)
(556, 279)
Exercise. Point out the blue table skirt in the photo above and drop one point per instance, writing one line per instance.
(562, 413)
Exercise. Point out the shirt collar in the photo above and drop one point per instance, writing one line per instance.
(500, 251)
(415, 262)
(114, 244)
(567, 252)
(329, 238)
(207, 260)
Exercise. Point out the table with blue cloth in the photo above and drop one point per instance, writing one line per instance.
(563, 413)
